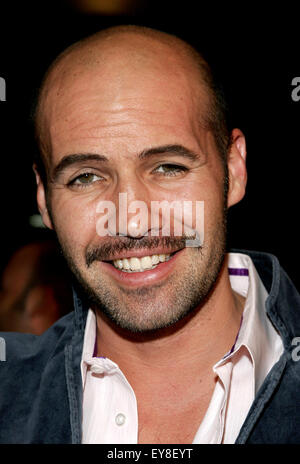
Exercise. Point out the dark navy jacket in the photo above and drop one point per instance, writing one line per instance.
(41, 388)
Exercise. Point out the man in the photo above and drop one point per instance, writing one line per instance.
(169, 343)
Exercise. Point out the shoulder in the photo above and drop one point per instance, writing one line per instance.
(32, 380)
(22, 349)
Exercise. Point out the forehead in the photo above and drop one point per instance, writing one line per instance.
(120, 91)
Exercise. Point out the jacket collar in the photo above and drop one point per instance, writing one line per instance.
(283, 299)
(81, 307)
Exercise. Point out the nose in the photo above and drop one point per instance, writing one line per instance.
(127, 212)
(133, 208)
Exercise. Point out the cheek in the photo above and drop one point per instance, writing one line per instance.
(210, 213)
(74, 221)
(202, 205)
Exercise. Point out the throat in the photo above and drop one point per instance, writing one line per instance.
(173, 414)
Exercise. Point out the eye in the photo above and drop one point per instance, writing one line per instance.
(170, 170)
(85, 179)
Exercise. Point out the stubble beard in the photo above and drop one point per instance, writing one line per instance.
(150, 308)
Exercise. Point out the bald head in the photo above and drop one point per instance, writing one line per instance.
(125, 56)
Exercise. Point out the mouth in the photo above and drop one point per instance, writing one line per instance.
(141, 264)
(139, 268)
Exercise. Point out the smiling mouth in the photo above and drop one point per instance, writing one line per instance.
(145, 263)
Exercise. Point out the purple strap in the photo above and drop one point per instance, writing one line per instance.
(238, 271)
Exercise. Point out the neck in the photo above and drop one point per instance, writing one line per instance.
(200, 339)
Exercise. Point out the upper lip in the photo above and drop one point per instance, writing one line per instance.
(139, 253)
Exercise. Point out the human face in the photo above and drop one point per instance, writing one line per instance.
(118, 117)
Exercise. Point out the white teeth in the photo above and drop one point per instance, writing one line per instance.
(135, 264)
(155, 259)
(126, 264)
(119, 263)
(146, 262)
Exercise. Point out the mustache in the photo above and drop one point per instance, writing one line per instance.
(115, 245)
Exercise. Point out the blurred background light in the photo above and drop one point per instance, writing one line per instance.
(107, 7)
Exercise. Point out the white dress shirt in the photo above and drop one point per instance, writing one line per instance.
(110, 410)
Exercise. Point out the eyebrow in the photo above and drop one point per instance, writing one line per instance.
(78, 158)
(178, 150)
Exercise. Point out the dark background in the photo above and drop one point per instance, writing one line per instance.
(254, 50)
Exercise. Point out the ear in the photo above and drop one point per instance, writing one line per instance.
(236, 162)
(41, 199)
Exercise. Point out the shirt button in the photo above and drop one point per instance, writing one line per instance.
(120, 419)
(96, 369)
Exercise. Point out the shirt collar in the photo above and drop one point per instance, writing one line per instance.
(89, 343)
(256, 333)
(97, 364)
